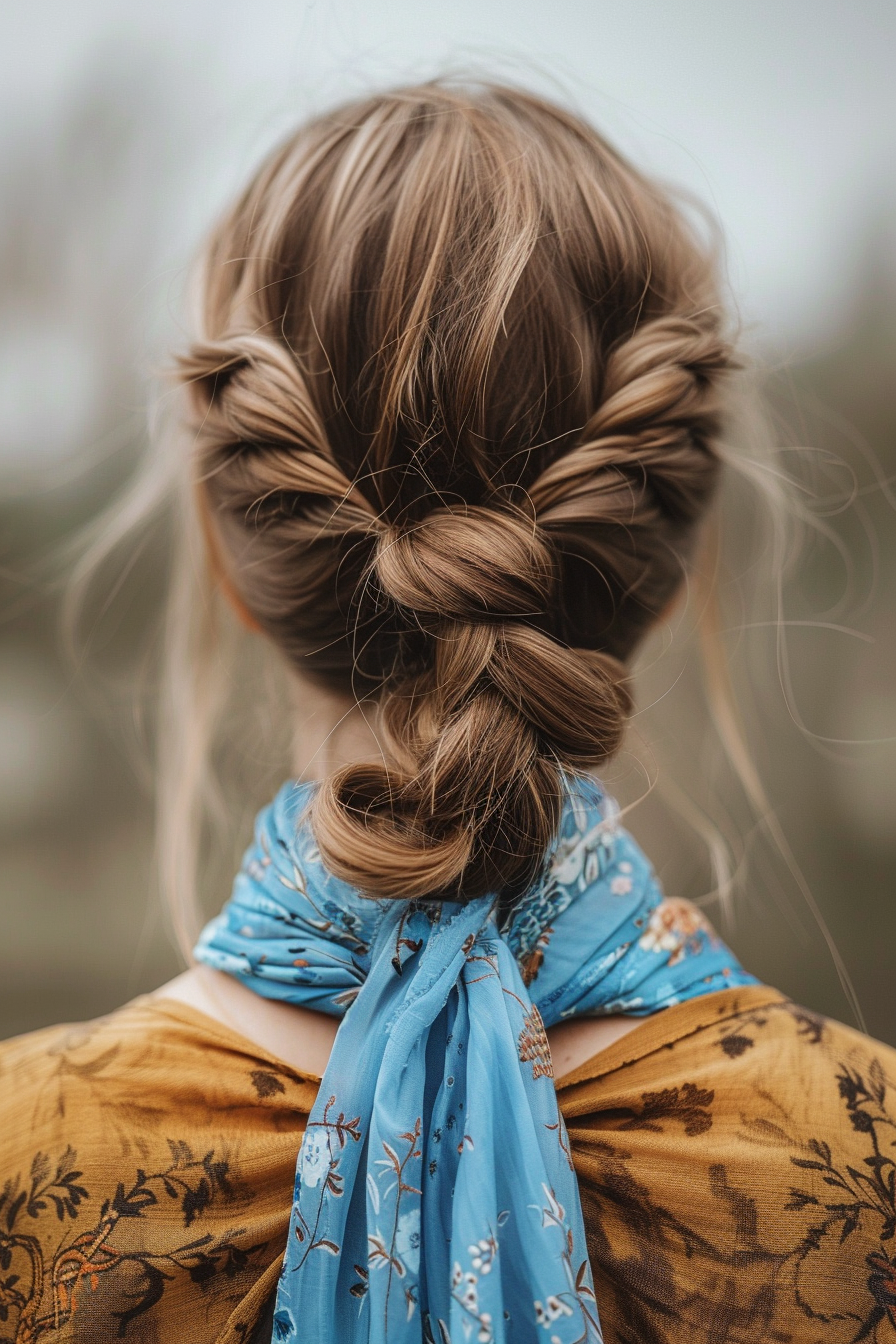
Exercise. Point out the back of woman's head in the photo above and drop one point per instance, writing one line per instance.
(454, 402)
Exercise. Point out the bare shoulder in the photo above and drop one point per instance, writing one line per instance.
(581, 1038)
(303, 1038)
(300, 1037)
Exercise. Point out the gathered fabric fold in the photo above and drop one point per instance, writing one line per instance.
(435, 1199)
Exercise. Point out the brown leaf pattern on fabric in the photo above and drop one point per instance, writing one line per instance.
(736, 1157)
(533, 1045)
(46, 1293)
(778, 1218)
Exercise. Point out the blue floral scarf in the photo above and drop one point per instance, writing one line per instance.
(435, 1198)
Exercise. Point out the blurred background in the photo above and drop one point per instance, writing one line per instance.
(124, 129)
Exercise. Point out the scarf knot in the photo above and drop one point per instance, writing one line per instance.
(435, 1200)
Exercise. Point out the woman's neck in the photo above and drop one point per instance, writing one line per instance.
(331, 730)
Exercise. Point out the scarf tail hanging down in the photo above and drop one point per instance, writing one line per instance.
(435, 1200)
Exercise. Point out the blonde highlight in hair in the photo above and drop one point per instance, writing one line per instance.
(454, 405)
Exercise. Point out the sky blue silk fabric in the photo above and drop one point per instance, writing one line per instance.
(435, 1200)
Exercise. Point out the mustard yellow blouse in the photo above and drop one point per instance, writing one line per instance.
(736, 1157)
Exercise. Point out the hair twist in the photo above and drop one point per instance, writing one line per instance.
(273, 489)
(455, 416)
(470, 563)
(258, 417)
(480, 738)
(649, 441)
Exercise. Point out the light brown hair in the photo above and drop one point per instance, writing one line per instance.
(455, 401)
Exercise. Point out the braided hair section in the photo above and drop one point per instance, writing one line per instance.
(455, 410)
(477, 741)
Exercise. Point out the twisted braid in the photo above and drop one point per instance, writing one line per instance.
(652, 432)
(481, 737)
(472, 522)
